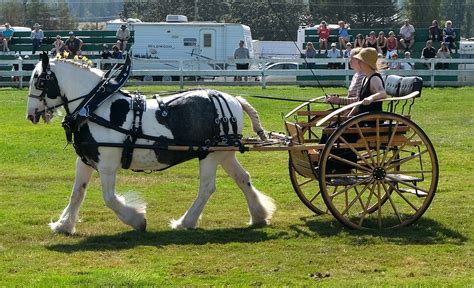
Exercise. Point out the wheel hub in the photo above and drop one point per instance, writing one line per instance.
(379, 173)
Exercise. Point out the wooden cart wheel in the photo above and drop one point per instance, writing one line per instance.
(374, 159)
(307, 190)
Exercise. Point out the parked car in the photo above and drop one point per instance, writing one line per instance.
(281, 76)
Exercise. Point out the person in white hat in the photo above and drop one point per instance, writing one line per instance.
(122, 35)
(37, 37)
(334, 53)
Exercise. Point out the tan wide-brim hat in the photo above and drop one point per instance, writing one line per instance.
(369, 56)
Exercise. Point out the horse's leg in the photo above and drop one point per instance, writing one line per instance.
(261, 207)
(207, 186)
(129, 208)
(67, 220)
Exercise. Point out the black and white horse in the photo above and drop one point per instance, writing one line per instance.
(186, 118)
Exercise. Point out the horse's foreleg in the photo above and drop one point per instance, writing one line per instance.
(261, 207)
(207, 186)
(129, 208)
(67, 220)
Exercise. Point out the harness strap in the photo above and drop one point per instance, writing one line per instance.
(138, 105)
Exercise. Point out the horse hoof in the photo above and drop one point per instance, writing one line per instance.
(142, 227)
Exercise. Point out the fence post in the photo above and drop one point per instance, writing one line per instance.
(20, 70)
(432, 66)
(181, 77)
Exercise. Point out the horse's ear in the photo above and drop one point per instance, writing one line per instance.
(44, 60)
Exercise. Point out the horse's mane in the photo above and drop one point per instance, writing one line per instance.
(79, 64)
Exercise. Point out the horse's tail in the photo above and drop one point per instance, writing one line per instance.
(253, 114)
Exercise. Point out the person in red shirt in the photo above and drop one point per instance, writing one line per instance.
(323, 32)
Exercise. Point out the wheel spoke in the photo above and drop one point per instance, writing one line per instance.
(390, 141)
(365, 143)
(401, 147)
(400, 193)
(354, 200)
(356, 152)
(409, 172)
(349, 187)
(379, 210)
(314, 197)
(404, 160)
(348, 162)
(377, 125)
(392, 202)
(366, 209)
(306, 182)
(356, 175)
(407, 184)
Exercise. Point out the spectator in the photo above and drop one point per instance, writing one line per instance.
(343, 34)
(106, 53)
(123, 35)
(324, 33)
(37, 37)
(310, 53)
(382, 43)
(394, 64)
(407, 35)
(443, 53)
(241, 53)
(359, 41)
(428, 52)
(392, 44)
(434, 32)
(334, 53)
(116, 53)
(73, 44)
(449, 36)
(59, 46)
(407, 65)
(348, 52)
(371, 41)
(7, 35)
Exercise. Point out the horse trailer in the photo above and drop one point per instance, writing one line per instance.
(177, 39)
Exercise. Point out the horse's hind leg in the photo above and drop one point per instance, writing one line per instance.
(129, 208)
(261, 207)
(207, 186)
(67, 220)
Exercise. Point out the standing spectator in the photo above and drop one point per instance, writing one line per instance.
(392, 44)
(407, 35)
(123, 35)
(443, 53)
(371, 41)
(116, 53)
(59, 46)
(7, 35)
(241, 53)
(434, 32)
(407, 65)
(73, 44)
(310, 53)
(382, 43)
(324, 33)
(359, 41)
(334, 53)
(449, 36)
(37, 36)
(394, 64)
(428, 52)
(343, 34)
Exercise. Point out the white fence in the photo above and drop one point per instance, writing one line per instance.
(192, 72)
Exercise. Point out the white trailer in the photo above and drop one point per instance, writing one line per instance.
(177, 39)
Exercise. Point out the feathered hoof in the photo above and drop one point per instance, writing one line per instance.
(63, 228)
(141, 227)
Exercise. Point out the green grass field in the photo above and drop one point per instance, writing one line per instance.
(298, 249)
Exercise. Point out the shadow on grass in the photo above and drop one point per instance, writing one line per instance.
(129, 240)
(424, 231)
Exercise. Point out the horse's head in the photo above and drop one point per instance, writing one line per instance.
(55, 83)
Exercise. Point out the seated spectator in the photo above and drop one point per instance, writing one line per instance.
(106, 53)
(37, 36)
(310, 53)
(392, 44)
(449, 36)
(348, 51)
(382, 43)
(324, 33)
(343, 34)
(334, 53)
(434, 32)
(73, 44)
(59, 46)
(394, 64)
(443, 53)
(123, 35)
(359, 41)
(116, 53)
(407, 35)
(371, 41)
(407, 65)
(7, 35)
(428, 52)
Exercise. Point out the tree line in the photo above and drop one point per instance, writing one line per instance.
(268, 19)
